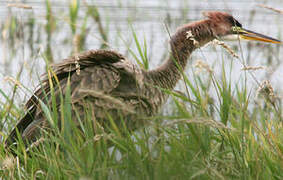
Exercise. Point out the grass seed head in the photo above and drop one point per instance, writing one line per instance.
(226, 47)
(78, 70)
(252, 68)
(20, 5)
(8, 163)
(266, 90)
(201, 65)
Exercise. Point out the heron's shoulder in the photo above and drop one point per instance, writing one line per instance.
(95, 58)
(88, 58)
(101, 55)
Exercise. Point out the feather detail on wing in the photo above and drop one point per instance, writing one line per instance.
(94, 75)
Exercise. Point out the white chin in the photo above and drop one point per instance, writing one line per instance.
(232, 37)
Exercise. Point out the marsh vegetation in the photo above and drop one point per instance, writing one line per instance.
(224, 122)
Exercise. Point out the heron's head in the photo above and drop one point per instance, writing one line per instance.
(223, 25)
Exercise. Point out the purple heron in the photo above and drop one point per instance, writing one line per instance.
(107, 84)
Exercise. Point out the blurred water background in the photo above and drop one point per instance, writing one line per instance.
(24, 41)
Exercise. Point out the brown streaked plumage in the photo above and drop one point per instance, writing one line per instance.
(107, 83)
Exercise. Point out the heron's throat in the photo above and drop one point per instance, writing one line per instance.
(183, 43)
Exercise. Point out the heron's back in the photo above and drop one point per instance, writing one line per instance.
(103, 85)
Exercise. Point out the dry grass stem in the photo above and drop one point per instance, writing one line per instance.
(18, 163)
(202, 121)
(270, 8)
(38, 172)
(252, 68)
(98, 137)
(227, 48)
(20, 5)
(12, 80)
(201, 65)
(76, 43)
(35, 144)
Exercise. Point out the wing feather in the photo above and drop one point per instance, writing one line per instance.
(100, 72)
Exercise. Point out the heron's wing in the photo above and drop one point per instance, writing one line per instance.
(91, 72)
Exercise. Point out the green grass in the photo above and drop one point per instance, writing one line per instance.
(234, 135)
(191, 144)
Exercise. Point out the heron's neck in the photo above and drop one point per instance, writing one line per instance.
(183, 43)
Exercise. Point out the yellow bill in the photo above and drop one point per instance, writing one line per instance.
(250, 35)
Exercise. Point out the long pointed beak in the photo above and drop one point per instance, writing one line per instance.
(250, 35)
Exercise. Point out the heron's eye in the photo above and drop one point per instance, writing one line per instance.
(236, 29)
